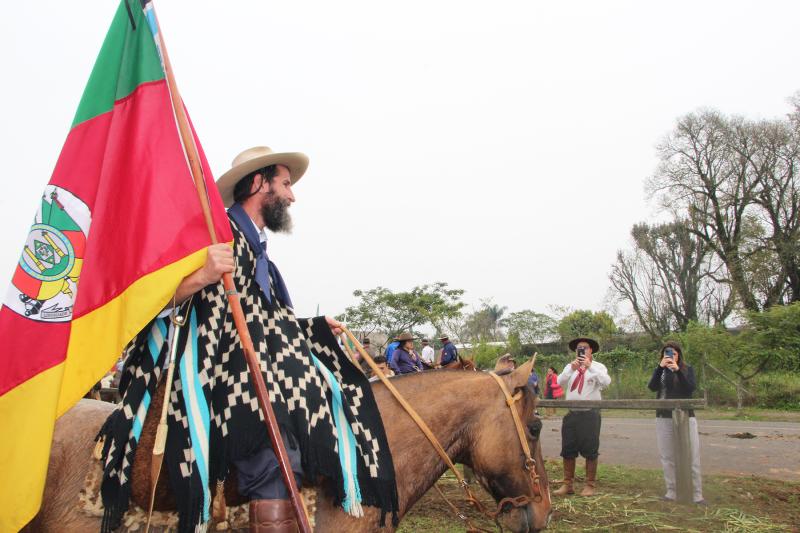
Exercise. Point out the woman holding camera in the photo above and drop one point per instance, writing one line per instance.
(674, 379)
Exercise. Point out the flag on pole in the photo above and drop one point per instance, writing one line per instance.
(118, 227)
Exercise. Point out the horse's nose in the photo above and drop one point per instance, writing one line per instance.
(549, 518)
(534, 529)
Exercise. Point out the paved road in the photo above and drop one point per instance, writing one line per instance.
(774, 452)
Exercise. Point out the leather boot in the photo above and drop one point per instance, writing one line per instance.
(591, 477)
(569, 478)
(272, 516)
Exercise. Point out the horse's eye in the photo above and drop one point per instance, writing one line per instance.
(535, 428)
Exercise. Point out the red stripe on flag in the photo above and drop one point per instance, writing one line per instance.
(145, 208)
(37, 345)
(76, 172)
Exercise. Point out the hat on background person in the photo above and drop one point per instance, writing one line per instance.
(573, 344)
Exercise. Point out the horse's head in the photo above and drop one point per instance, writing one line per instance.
(498, 457)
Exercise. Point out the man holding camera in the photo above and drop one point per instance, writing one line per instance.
(583, 379)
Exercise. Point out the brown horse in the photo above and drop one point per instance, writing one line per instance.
(461, 363)
(466, 411)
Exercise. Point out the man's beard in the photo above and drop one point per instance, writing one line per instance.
(276, 216)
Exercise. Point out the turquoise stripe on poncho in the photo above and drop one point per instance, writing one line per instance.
(347, 444)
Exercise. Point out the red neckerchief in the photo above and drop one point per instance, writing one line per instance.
(578, 383)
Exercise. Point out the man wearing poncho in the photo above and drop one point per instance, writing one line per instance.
(215, 425)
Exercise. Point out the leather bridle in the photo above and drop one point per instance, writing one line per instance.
(529, 464)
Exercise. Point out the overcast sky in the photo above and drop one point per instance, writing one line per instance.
(498, 146)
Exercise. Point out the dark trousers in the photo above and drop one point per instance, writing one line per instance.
(259, 476)
(580, 434)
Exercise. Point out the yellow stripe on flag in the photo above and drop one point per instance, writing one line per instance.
(98, 338)
(27, 415)
(30, 409)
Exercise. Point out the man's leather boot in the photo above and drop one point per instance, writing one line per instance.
(569, 477)
(591, 477)
(272, 516)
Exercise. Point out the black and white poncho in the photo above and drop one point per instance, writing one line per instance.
(214, 416)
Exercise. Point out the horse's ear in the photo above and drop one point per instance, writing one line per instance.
(519, 377)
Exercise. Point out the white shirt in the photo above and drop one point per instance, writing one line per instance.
(262, 233)
(427, 354)
(595, 379)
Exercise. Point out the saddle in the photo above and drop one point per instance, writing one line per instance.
(142, 464)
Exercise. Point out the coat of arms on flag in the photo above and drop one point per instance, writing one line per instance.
(116, 230)
(45, 281)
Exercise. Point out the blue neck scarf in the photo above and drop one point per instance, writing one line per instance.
(265, 269)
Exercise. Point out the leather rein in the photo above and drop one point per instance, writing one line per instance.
(529, 464)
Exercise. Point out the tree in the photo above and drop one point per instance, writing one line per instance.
(775, 167)
(494, 314)
(776, 332)
(584, 323)
(455, 327)
(485, 324)
(478, 326)
(723, 352)
(633, 279)
(530, 327)
(391, 313)
(513, 344)
(736, 182)
(701, 174)
(670, 279)
(770, 340)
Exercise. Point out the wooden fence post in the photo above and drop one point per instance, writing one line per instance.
(683, 455)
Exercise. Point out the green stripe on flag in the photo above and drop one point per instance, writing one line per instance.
(127, 59)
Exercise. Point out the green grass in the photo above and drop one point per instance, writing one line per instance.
(628, 501)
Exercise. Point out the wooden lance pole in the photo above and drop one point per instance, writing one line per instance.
(253, 365)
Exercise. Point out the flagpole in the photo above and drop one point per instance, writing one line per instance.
(253, 365)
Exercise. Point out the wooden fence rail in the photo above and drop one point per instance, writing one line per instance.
(695, 403)
(680, 425)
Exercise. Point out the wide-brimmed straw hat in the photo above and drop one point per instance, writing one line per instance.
(405, 336)
(256, 158)
(444, 338)
(573, 344)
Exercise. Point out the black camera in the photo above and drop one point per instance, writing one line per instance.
(582, 353)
